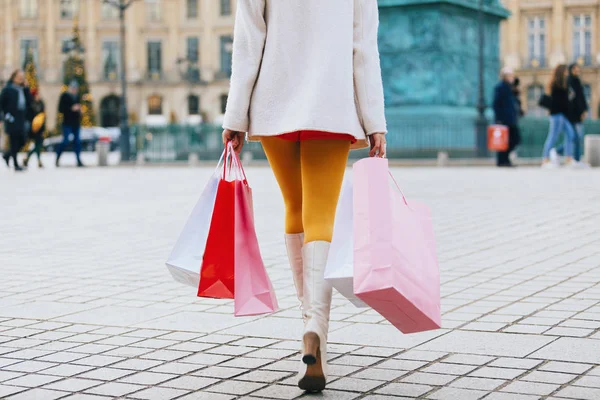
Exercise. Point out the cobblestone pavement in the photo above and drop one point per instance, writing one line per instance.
(88, 311)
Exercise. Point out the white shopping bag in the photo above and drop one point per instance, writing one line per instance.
(185, 259)
(340, 262)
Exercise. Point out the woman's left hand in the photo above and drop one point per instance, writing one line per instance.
(378, 145)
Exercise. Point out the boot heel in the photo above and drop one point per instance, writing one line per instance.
(311, 348)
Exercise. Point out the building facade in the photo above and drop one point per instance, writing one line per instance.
(541, 34)
(178, 54)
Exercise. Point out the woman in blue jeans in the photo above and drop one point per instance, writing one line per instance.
(559, 91)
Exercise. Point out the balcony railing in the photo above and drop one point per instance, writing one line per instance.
(584, 60)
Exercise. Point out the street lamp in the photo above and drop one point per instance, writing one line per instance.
(482, 123)
(122, 6)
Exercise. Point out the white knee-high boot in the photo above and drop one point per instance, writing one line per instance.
(317, 297)
(294, 243)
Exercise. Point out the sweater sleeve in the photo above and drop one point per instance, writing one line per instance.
(368, 84)
(248, 44)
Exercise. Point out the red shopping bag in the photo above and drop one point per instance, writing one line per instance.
(232, 266)
(498, 138)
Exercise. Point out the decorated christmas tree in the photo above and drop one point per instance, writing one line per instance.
(30, 70)
(75, 70)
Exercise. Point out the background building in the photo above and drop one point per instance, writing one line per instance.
(178, 54)
(543, 33)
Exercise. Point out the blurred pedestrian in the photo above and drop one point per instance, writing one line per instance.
(517, 93)
(577, 114)
(14, 103)
(38, 127)
(558, 90)
(69, 106)
(506, 112)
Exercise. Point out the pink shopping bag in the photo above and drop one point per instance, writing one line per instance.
(395, 263)
(253, 293)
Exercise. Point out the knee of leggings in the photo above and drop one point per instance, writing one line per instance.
(318, 231)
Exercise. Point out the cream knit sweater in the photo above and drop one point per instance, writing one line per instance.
(306, 65)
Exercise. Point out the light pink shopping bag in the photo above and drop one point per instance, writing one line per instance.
(254, 293)
(395, 263)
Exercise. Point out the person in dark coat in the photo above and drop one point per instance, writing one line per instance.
(15, 101)
(578, 109)
(70, 107)
(38, 126)
(517, 94)
(506, 112)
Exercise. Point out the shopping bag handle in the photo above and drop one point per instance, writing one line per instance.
(398, 187)
(233, 160)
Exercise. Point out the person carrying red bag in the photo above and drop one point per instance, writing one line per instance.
(306, 83)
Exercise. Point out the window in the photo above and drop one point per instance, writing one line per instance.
(582, 39)
(109, 11)
(192, 9)
(223, 103)
(193, 44)
(153, 10)
(226, 49)
(534, 93)
(28, 45)
(111, 60)
(536, 33)
(155, 105)
(154, 60)
(69, 8)
(225, 7)
(28, 8)
(193, 105)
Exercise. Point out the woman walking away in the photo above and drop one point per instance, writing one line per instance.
(306, 83)
(38, 127)
(14, 103)
(559, 92)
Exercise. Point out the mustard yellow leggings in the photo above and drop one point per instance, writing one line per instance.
(310, 175)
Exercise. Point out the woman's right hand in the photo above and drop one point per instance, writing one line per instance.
(236, 138)
(378, 145)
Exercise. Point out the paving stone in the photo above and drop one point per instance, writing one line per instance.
(429, 379)
(6, 391)
(450, 369)
(66, 370)
(498, 373)
(404, 365)
(519, 363)
(450, 393)
(569, 368)
(263, 376)
(279, 392)
(355, 385)
(511, 396)
(478, 383)
(236, 387)
(207, 396)
(530, 388)
(589, 381)
(190, 383)
(32, 380)
(37, 394)
(570, 349)
(73, 384)
(548, 377)
(468, 359)
(405, 389)
(158, 393)
(147, 378)
(580, 393)
(387, 375)
(115, 389)
(487, 343)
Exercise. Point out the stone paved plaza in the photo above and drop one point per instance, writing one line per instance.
(88, 310)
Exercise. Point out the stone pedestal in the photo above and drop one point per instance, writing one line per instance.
(429, 61)
(592, 150)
